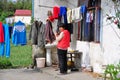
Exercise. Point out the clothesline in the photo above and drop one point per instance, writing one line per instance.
(45, 6)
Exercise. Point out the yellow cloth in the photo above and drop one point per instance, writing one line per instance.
(69, 16)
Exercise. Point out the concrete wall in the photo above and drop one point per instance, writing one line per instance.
(40, 13)
(24, 19)
(110, 35)
(108, 51)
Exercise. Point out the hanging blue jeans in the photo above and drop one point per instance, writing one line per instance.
(7, 40)
(1, 49)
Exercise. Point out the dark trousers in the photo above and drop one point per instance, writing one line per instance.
(62, 57)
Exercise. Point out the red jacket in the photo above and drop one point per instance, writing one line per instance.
(56, 11)
(64, 43)
(1, 33)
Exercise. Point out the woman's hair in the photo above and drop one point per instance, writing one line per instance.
(49, 13)
(62, 25)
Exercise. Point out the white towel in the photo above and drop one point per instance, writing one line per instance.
(76, 14)
(73, 14)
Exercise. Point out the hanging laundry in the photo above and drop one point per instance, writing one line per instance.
(33, 35)
(88, 17)
(63, 13)
(37, 34)
(5, 46)
(83, 9)
(69, 16)
(56, 11)
(91, 16)
(19, 34)
(73, 15)
(10, 30)
(1, 33)
(1, 39)
(1, 49)
(51, 18)
(7, 40)
(49, 35)
(69, 27)
(76, 14)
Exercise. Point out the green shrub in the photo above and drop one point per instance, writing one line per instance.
(113, 71)
(5, 63)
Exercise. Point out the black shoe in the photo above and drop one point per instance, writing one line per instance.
(74, 69)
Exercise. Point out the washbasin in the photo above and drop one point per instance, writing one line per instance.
(48, 53)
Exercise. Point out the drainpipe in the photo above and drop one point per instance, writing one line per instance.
(33, 8)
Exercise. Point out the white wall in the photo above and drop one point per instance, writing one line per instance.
(110, 36)
(24, 19)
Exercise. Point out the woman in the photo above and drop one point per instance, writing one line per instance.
(63, 43)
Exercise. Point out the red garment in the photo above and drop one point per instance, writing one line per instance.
(1, 33)
(56, 11)
(64, 43)
(51, 18)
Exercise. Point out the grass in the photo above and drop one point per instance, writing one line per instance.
(21, 56)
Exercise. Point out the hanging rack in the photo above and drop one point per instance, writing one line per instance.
(91, 8)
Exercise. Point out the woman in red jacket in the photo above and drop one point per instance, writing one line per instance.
(63, 43)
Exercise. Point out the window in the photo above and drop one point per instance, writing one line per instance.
(89, 27)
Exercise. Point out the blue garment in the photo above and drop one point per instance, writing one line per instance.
(1, 49)
(83, 9)
(19, 34)
(6, 42)
(63, 13)
(7, 39)
(88, 17)
(10, 30)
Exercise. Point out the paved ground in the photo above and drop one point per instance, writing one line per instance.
(25, 74)
(71, 75)
(48, 73)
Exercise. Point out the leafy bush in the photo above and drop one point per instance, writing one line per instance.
(5, 63)
(113, 71)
